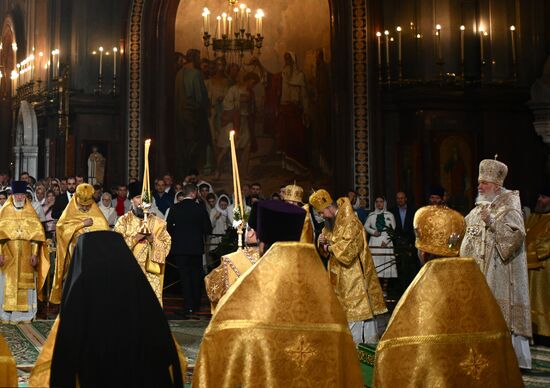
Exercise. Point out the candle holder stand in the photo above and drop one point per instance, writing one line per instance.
(441, 64)
(99, 89)
(400, 71)
(114, 90)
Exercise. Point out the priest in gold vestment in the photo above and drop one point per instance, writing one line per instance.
(495, 238)
(150, 250)
(231, 267)
(23, 262)
(82, 215)
(350, 265)
(280, 324)
(537, 244)
(447, 330)
(275, 221)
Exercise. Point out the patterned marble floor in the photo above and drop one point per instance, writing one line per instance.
(25, 342)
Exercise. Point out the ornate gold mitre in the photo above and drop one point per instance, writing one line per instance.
(493, 171)
(294, 193)
(439, 230)
(84, 194)
(320, 200)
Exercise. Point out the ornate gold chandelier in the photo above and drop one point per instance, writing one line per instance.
(232, 30)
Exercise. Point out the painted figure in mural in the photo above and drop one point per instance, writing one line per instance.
(217, 87)
(256, 67)
(96, 167)
(191, 101)
(291, 123)
(318, 83)
(238, 115)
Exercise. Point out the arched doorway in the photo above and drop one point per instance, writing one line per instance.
(151, 40)
(26, 141)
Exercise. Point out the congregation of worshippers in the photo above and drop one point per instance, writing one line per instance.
(309, 289)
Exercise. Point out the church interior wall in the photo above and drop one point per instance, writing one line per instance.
(407, 121)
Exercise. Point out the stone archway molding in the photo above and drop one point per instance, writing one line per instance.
(26, 140)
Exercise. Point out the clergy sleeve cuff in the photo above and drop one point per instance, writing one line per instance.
(34, 248)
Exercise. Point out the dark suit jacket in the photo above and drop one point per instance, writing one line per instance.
(188, 225)
(61, 202)
(409, 217)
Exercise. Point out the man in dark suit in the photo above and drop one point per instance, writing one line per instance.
(408, 264)
(188, 225)
(404, 215)
(63, 199)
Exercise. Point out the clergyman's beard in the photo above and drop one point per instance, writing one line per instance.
(138, 211)
(541, 209)
(19, 204)
(487, 197)
(329, 223)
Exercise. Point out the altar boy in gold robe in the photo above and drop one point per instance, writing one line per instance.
(447, 330)
(149, 250)
(23, 262)
(82, 215)
(351, 269)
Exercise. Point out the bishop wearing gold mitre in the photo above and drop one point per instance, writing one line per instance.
(150, 250)
(280, 324)
(350, 266)
(447, 329)
(81, 215)
(23, 262)
(537, 243)
(294, 194)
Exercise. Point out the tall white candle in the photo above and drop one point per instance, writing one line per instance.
(218, 28)
(399, 51)
(462, 28)
(378, 35)
(115, 50)
(230, 28)
(387, 34)
(243, 12)
(482, 55)
(438, 37)
(248, 10)
(100, 61)
(224, 20)
(261, 15)
(513, 41)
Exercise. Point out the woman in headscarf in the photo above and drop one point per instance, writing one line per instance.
(106, 207)
(219, 216)
(49, 224)
(380, 245)
(177, 198)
